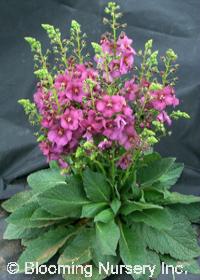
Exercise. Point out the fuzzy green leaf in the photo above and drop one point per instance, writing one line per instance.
(179, 242)
(42, 215)
(22, 217)
(46, 179)
(152, 173)
(165, 197)
(191, 211)
(107, 237)
(64, 199)
(17, 232)
(159, 219)
(131, 206)
(92, 274)
(171, 176)
(115, 205)
(90, 210)
(104, 216)
(44, 247)
(17, 200)
(132, 247)
(96, 186)
(190, 266)
(79, 250)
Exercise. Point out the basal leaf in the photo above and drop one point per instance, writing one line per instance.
(17, 232)
(107, 237)
(171, 176)
(90, 210)
(64, 199)
(42, 215)
(115, 205)
(79, 250)
(104, 216)
(22, 217)
(153, 172)
(46, 179)
(131, 206)
(190, 266)
(166, 197)
(86, 271)
(157, 218)
(132, 248)
(96, 186)
(191, 211)
(17, 200)
(44, 247)
(179, 242)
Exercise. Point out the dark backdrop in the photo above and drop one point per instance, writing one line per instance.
(171, 23)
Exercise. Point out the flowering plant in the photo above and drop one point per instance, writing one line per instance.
(106, 196)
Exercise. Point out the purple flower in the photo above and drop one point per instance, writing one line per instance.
(105, 144)
(75, 91)
(130, 90)
(70, 119)
(59, 136)
(110, 105)
(163, 98)
(164, 117)
(125, 161)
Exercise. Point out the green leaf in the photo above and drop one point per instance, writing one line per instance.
(152, 173)
(22, 217)
(90, 272)
(151, 157)
(159, 219)
(96, 186)
(17, 201)
(42, 215)
(174, 197)
(79, 250)
(107, 237)
(132, 247)
(97, 257)
(115, 205)
(165, 197)
(191, 211)
(180, 242)
(44, 247)
(90, 210)
(46, 179)
(171, 176)
(64, 199)
(105, 216)
(131, 206)
(17, 232)
(190, 266)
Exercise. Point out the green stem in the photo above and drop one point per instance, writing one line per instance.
(79, 48)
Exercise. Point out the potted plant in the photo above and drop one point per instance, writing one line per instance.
(105, 202)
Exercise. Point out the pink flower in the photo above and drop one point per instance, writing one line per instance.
(63, 164)
(163, 98)
(164, 117)
(51, 151)
(105, 144)
(130, 90)
(70, 119)
(75, 91)
(59, 136)
(124, 44)
(61, 81)
(92, 123)
(110, 105)
(125, 161)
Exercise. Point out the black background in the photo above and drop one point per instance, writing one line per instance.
(171, 23)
